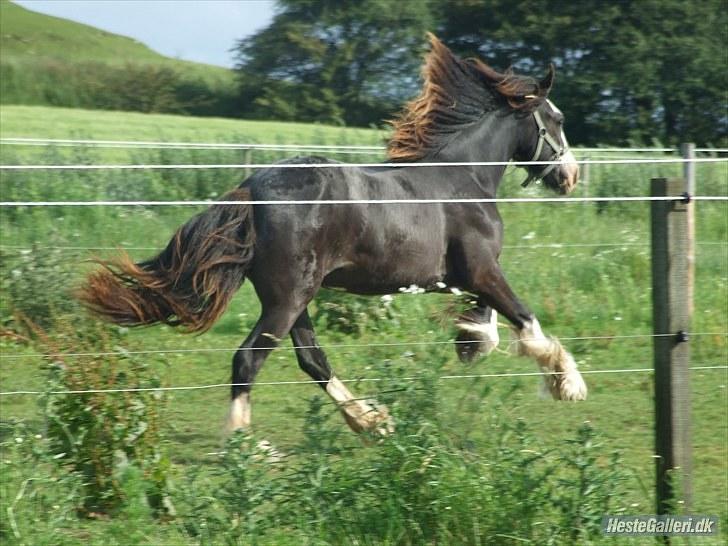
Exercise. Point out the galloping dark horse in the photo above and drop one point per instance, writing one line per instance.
(467, 112)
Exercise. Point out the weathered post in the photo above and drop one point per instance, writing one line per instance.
(672, 289)
(687, 150)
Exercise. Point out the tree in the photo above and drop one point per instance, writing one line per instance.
(333, 61)
(627, 71)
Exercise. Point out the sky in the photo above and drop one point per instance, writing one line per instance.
(194, 30)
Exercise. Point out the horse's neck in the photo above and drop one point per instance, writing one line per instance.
(492, 139)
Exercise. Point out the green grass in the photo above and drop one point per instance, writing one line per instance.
(47, 122)
(575, 291)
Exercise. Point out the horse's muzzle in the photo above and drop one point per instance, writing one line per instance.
(568, 173)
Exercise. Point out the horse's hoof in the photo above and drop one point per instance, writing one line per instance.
(569, 386)
(572, 386)
(375, 422)
(384, 423)
(472, 343)
(268, 452)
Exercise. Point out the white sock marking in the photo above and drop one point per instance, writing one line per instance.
(239, 416)
(486, 331)
(360, 415)
(562, 378)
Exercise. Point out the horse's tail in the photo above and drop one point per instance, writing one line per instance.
(190, 282)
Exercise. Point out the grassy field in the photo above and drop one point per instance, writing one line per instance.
(467, 426)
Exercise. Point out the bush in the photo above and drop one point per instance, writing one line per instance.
(36, 284)
(102, 436)
(37, 502)
(133, 87)
(417, 486)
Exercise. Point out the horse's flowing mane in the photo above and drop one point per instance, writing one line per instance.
(455, 93)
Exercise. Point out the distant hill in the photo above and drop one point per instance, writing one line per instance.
(47, 60)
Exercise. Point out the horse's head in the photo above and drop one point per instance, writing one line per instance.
(453, 119)
(543, 139)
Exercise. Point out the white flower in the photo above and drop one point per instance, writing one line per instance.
(440, 284)
(387, 299)
(456, 291)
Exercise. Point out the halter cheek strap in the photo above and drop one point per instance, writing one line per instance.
(544, 136)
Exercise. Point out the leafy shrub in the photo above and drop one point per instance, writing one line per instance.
(37, 502)
(36, 284)
(133, 87)
(234, 505)
(349, 314)
(420, 485)
(101, 435)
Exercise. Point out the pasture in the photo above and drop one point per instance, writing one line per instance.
(480, 460)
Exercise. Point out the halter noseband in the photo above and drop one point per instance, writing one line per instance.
(544, 136)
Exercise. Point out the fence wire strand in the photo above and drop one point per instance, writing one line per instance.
(316, 202)
(315, 382)
(24, 141)
(535, 246)
(337, 165)
(337, 346)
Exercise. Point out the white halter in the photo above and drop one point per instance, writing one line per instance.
(559, 151)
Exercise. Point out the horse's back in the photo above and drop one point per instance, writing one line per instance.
(362, 247)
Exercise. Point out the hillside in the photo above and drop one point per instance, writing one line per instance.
(28, 35)
(47, 60)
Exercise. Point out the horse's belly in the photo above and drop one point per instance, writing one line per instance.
(386, 276)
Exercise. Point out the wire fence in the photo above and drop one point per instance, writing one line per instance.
(341, 149)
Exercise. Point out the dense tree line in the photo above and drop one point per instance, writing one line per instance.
(627, 70)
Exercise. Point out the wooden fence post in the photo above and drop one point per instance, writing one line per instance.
(688, 152)
(672, 288)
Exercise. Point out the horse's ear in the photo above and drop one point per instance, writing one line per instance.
(544, 86)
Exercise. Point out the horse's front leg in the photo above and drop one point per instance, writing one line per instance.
(561, 376)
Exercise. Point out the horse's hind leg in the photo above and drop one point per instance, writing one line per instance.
(275, 322)
(561, 376)
(360, 414)
(478, 333)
